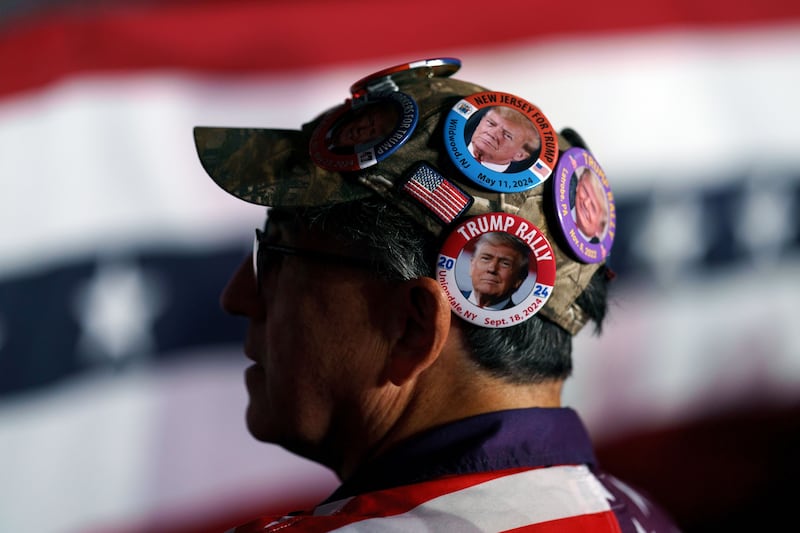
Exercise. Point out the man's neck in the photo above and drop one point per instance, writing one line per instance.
(443, 394)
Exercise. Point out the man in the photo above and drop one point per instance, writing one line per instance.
(502, 137)
(590, 208)
(364, 360)
(497, 268)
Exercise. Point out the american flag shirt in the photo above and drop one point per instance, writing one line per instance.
(522, 470)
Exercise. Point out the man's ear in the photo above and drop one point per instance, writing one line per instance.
(420, 326)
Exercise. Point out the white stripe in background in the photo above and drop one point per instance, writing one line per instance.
(112, 159)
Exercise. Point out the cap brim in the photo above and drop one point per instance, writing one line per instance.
(270, 167)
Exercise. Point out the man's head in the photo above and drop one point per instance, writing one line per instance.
(351, 326)
(591, 207)
(498, 267)
(504, 136)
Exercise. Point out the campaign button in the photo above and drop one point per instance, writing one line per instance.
(501, 142)
(393, 78)
(496, 269)
(363, 131)
(585, 205)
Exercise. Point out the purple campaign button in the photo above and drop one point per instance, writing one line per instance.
(585, 205)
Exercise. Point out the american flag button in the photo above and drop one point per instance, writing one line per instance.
(437, 194)
(501, 142)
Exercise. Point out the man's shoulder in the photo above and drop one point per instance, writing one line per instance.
(486, 501)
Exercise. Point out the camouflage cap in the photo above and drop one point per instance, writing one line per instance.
(274, 168)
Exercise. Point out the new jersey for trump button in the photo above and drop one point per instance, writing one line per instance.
(500, 141)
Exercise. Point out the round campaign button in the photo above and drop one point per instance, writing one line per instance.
(393, 78)
(585, 205)
(496, 269)
(363, 131)
(501, 141)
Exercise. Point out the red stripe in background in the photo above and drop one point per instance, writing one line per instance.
(244, 36)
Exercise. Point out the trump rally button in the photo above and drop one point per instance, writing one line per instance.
(501, 142)
(585, 205)
(497, 270)
(363, 131)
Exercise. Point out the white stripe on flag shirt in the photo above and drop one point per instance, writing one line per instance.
(556, 499)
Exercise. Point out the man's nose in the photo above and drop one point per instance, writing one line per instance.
(241, 296)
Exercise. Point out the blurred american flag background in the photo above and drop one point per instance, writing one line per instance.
(121, 395)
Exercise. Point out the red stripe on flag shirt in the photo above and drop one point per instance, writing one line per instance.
(487, 502)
